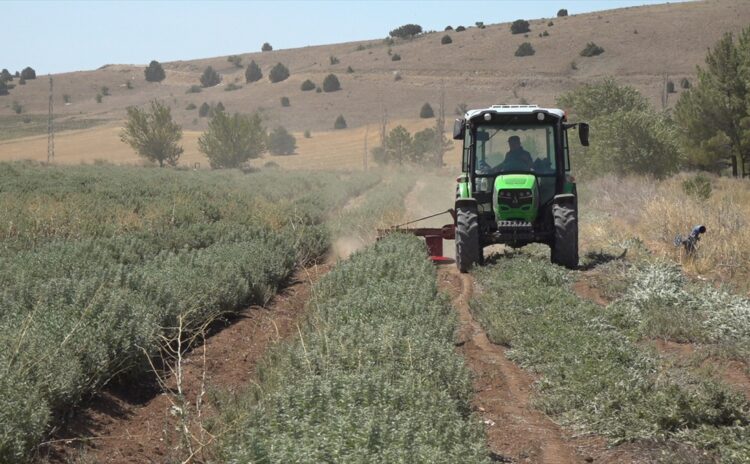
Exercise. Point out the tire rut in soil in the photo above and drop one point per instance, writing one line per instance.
(515, 431)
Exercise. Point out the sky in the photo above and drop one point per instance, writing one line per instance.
(62, 36)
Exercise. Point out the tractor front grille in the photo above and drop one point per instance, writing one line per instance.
(515, 198)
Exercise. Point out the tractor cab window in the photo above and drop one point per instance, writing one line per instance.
(517, 148)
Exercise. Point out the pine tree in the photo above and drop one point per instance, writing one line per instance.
(154, 72)
(210, 77)
(253, 72)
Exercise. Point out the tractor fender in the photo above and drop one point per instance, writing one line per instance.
(466, 203)
(564, 199)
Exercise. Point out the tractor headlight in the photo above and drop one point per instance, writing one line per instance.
(505, 194)
(483, 184)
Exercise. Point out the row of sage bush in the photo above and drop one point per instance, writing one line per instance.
(595, 375)
(91, 289)
(373, 377)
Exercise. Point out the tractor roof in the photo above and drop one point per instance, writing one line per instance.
(515, 109)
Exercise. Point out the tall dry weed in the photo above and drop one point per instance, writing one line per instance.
(614, 210)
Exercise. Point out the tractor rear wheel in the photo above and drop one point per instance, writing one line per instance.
(467, 238)
(564, 249)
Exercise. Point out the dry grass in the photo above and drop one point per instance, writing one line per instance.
(324, 150)
(615, 210)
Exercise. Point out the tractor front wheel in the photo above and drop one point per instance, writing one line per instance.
(467, 238)
(564, 249)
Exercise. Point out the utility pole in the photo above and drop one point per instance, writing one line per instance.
(364, 155)
(50, 127)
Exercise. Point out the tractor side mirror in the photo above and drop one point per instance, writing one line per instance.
(459, 129)
(583, 133)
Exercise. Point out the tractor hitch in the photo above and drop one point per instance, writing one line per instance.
(433, 236)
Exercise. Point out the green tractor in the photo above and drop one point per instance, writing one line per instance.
(515, 188)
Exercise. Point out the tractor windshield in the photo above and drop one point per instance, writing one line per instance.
(516, 148)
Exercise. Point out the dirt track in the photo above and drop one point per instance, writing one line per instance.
(515, 432)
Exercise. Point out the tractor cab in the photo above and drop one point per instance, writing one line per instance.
(515, 186)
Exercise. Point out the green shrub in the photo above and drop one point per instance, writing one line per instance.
(253, 72)
(550, 24)
(426, 111)
(307, 133)
(191, 106)
(349, 70)
(479, 24)
(194, 89)
(340, 122)
(210, 77)
(591, 49)
(236, 60)
(525, 49)
(6, 76)
(281, 142)
(307, 85)
(285, 102)
(104, 91)
(448, 28)
(98, 98)
(562, 12)
(278, 73)
(232, 86)
(519, 26)
(460, 29)
(266, 47)
(446, 40)
(395, 57)
(3, 88)
(333, 60)
(66, 98)
(154, 72)
(698, 187)
(685, 83)
(671, 87)
(331, 83)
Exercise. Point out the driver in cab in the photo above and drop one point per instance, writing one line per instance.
(517, 157)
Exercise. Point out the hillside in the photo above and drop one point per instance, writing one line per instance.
(642, 45)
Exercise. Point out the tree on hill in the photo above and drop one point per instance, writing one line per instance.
(340, 122)
(426, 111)
(281, 142)
(153, 134)
(3, 87)
(712, 115)
(154, 72)
(520, 26)
(602, 98)
(331, 83)
(399, 147)
(525, 49)
(203, 110)
(307, 85)
(266, 47)
(28, 73)
(278, 73)
(232, 140)
(210, 77)
(406, 31)
(253, 72)
(6, 76)
(446, 40)
(562, 12)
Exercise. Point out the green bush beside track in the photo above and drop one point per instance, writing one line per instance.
(97, 264)
(594, 374)
(373, 377)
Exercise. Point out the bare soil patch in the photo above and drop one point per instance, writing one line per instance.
(140, 423)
